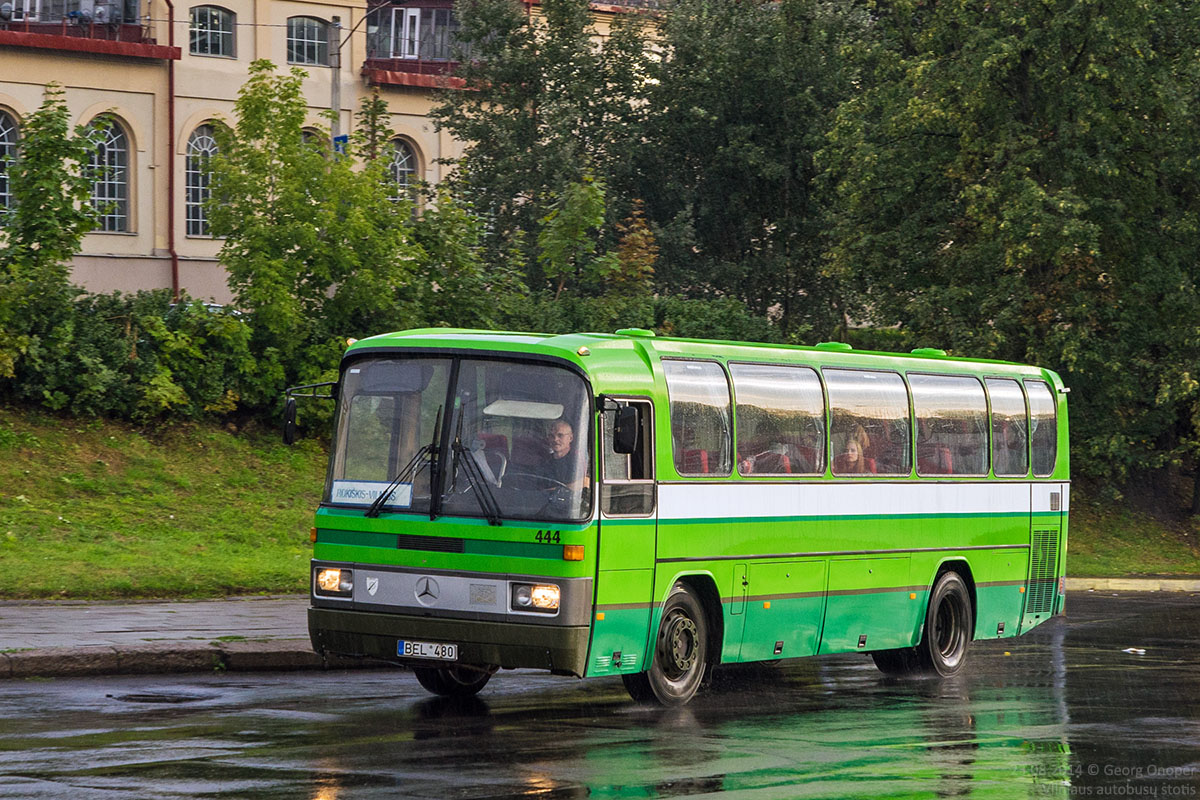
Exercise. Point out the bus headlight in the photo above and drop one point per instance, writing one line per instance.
(335, 581)
(539, 597)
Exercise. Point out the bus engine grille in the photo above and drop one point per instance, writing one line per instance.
(435, 544)
(1042, 583)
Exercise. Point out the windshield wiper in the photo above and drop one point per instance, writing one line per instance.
(480, 485)
(405, 474)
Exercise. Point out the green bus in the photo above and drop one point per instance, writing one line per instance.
(626, 504)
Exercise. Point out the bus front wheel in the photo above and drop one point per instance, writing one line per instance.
(453, 681)
(680, 653)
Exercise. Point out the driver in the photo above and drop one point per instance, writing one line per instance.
(562, 462)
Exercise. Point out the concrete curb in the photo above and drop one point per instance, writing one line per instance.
(284, 653)
(1133, 584)
(153, 659)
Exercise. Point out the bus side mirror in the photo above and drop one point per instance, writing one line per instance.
(626, 429)
(289, 421)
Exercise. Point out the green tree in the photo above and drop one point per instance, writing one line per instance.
(316, 249)
(546, 101)
(1019, 181)
(567, 241)
(454, 286)
(42, 231)
(371, 132)
(742, 99)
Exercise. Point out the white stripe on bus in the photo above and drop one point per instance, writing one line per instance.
(752, 500)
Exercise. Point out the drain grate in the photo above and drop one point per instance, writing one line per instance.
(147, 697)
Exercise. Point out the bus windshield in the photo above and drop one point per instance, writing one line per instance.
(517, 432)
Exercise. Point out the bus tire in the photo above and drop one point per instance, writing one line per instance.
(948, 619)
(902, 661)
(452, 681)
(680, 656)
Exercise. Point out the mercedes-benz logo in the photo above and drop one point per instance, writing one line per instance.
(426, 591)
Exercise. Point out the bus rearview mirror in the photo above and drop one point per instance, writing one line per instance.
(289, 421)
(626, 428)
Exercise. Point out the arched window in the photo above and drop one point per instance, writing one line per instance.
(307, 41)
(8, 152)
(201, 147)
(315, 139)
(402, 166)
(109, 171)
(212, 31)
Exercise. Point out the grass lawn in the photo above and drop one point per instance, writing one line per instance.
(93, 509)
(1112, 542)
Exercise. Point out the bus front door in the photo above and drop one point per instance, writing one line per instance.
(627, 541)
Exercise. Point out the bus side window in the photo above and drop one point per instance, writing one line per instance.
(701, 420)
(1043, 427)
(1010, 428)
(869, 422)
(780, 420)
(951, 424)
(628, 488)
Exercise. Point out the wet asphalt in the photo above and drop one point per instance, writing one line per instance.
(1061, 712)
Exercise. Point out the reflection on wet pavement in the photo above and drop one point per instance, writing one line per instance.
(1062, 712)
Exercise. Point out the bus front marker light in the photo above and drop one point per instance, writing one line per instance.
(332, 580)
(572, 552)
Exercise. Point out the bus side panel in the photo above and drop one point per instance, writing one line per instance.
(869, 597)
(784, 609)
(1045, 553)
(621, 622)
(717, 579)
(999, 578)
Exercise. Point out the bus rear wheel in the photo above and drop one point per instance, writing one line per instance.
(943, 647)
(680, 653)
(903, 661)
(455, 681)
(948, 622)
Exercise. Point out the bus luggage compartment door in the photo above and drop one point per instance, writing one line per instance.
(869, 605)
(783, 611)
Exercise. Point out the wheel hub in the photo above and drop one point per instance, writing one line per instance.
(680, 645)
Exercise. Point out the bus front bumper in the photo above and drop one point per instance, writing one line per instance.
(560, 649)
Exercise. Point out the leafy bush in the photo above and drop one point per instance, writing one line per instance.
(138, 357)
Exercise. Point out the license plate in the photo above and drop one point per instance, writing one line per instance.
(430, 650)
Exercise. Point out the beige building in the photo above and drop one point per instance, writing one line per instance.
(153, 75)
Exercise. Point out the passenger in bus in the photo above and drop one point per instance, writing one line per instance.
(562, 462)
(852, 461)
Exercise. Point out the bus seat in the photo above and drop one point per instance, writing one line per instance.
(934, 459)
(772, 463)
(492, 463)
(528, 451)
(806, 459)
(695, 462)
(495, 441)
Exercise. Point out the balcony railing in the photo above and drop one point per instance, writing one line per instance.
(106, 20)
